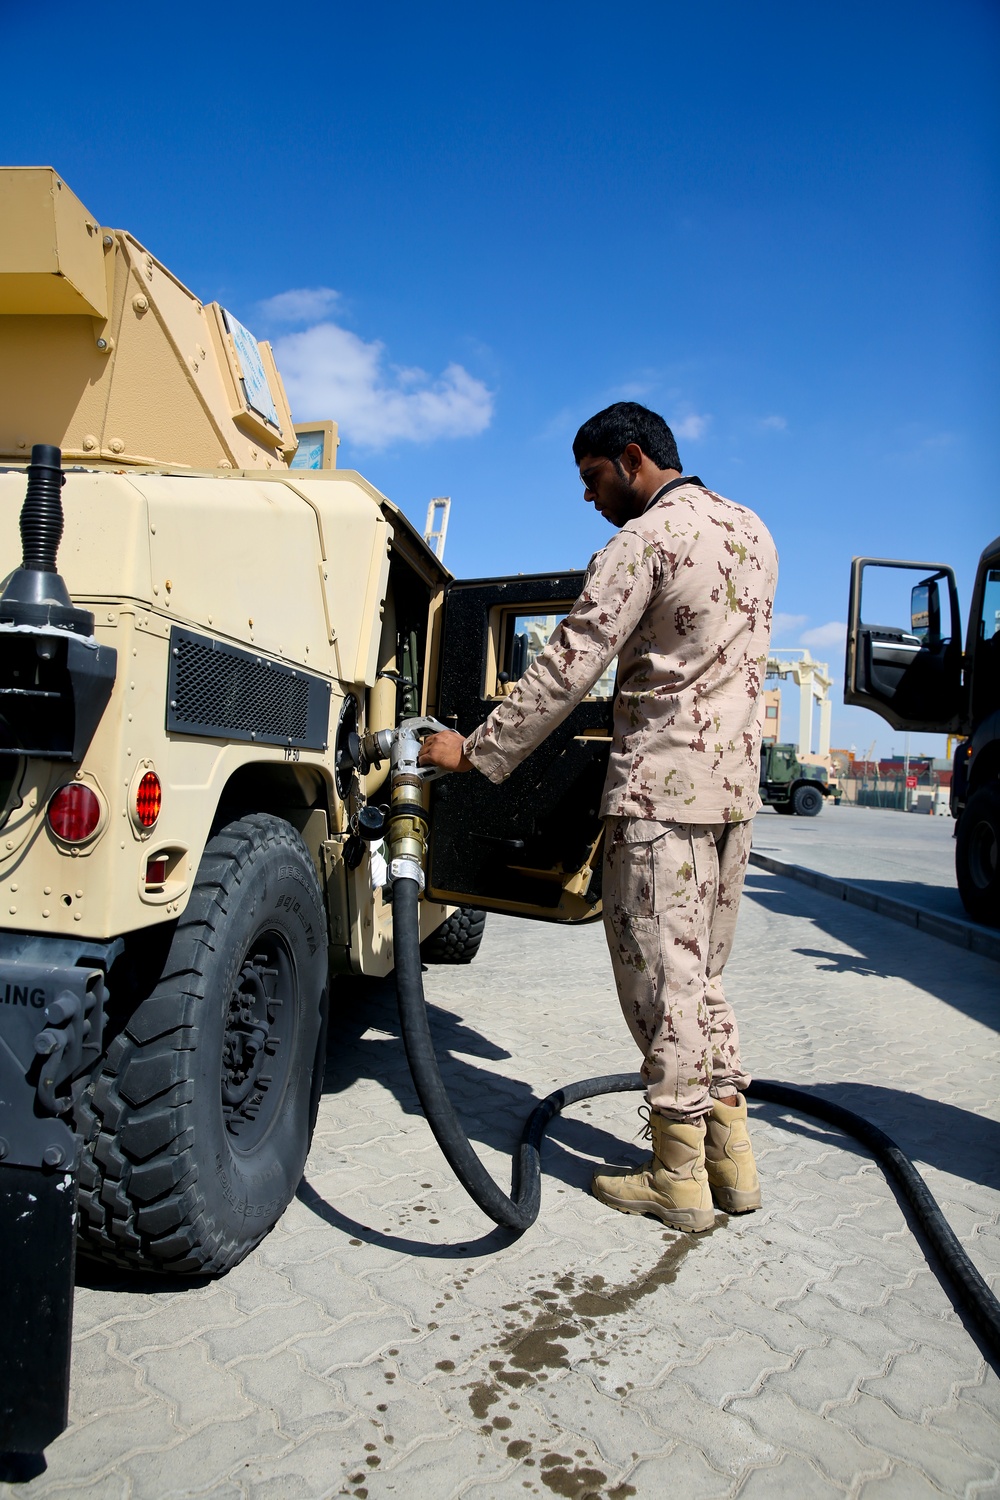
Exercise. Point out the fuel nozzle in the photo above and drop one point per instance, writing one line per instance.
(405, 825)
(408, 821)
(36, 594)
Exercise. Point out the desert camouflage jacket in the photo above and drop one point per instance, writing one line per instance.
(682, 595)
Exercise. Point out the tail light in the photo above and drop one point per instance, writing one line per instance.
(148, 798)
(74, 813)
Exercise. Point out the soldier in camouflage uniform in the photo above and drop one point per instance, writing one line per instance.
(682, 595)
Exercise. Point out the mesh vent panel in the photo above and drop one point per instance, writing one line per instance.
(227, 693)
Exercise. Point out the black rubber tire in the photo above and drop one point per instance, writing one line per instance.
(807, 800)
(457, 940)
(174, 1177)
(977, 855)
(785, 808)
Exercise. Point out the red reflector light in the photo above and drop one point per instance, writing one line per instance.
(147, 799)
(156, 871)
(74, 813)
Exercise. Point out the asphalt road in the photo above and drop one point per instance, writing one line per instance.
(910, 856)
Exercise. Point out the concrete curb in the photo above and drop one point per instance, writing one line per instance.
(969, 935)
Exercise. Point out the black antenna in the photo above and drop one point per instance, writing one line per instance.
(35, 593)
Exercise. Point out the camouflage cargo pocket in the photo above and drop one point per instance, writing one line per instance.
(632, 853)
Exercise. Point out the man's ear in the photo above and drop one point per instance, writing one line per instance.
(631, 459)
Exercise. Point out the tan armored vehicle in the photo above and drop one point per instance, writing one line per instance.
(195, 631)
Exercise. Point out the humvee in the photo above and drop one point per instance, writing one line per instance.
(198, 621)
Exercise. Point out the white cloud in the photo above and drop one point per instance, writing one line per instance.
(635, 390)
(774, 423)
(784, 625)
(691, 427)
(936, 440)
(330, 371)
(834, 633)
(304, 304)
(919, 446)
(562, 425)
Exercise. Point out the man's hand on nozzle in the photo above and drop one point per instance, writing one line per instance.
(445, 749)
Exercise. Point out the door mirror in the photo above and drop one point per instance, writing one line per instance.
(925, 611)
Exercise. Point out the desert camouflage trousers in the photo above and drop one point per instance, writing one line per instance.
(671, 895)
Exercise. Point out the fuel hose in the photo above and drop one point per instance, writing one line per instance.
(520, 1209)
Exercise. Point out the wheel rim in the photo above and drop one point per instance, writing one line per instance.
(983, 855)
(256, 1047)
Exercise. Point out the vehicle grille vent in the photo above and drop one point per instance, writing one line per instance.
(220, 691)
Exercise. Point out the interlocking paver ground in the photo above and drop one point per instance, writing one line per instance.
(386, 1340)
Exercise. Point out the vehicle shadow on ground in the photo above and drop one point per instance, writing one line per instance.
(938, 900)
(883, 948)
(99, 1276)
(944, 1136)
(365, 1043)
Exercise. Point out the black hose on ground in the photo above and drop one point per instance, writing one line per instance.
(970, 1286)
(520, 1210)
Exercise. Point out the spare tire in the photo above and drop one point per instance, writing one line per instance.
(457, 940)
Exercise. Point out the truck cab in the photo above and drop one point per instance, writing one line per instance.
(791, 785)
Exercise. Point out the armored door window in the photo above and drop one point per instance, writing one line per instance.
(522, 637)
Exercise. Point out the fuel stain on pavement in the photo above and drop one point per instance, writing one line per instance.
(579, 1482)
(551, 1319)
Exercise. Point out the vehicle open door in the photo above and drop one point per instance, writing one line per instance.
(532, 845)
(909, 674)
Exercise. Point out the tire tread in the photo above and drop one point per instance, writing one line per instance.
(139, 1201)
(458, 938)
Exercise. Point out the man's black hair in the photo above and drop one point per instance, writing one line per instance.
(609, 433)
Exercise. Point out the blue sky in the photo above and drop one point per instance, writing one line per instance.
(775, 224)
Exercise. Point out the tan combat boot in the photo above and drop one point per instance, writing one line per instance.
(732, 1171)
(673, 1184)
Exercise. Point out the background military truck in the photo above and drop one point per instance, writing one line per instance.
(790, 785)
(194, 633)
(917, 677)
